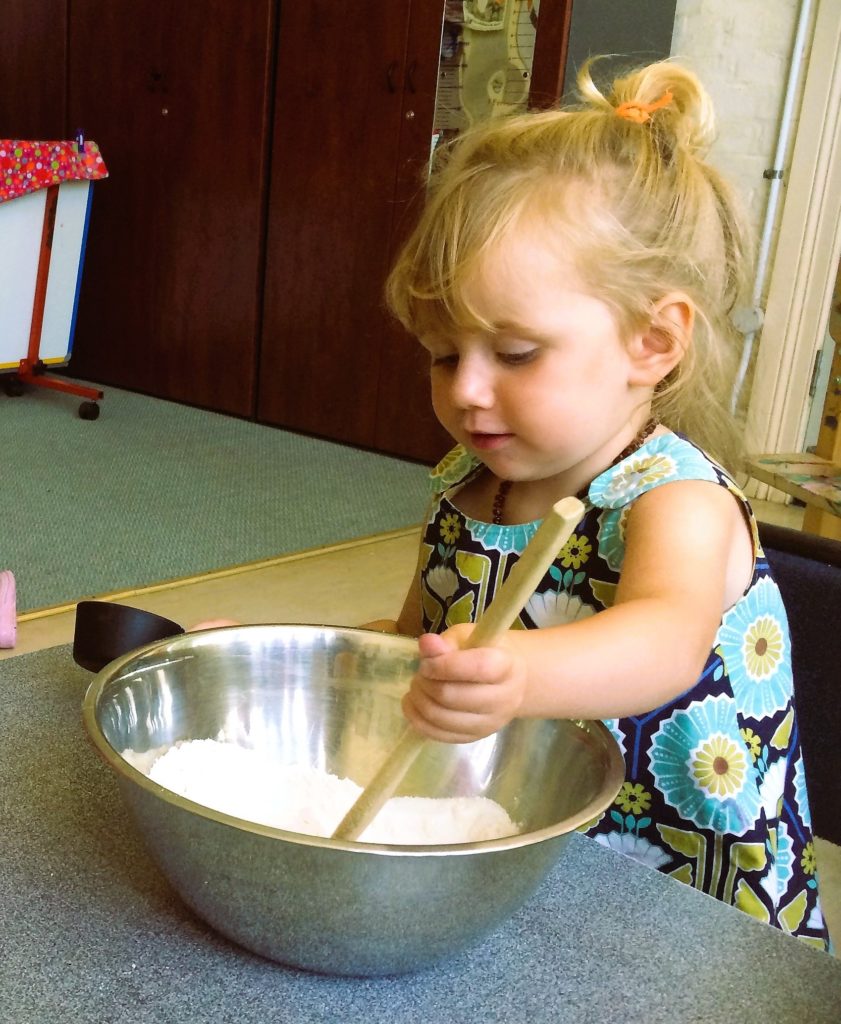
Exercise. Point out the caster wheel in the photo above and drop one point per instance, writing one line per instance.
(89, 411)
(12, 386)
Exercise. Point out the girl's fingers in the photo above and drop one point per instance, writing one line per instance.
(477, 665)
(431, 645)
(473, 698)
(447, 726)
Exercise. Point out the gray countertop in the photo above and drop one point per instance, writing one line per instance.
(92, 933)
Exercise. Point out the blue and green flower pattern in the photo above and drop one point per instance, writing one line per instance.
(715, 790)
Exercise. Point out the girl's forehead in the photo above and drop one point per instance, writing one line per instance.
(500, 278)
(520, 291)
(519, 270)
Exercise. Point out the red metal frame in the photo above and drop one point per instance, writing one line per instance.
(31, 369)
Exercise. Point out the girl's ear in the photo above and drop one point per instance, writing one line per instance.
(656, 350)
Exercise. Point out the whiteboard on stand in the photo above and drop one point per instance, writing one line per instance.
(21, 228)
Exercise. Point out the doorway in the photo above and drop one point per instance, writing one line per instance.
(806, 260)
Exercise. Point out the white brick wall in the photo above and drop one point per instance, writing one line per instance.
(741, 51)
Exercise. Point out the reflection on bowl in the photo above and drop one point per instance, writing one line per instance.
(329, 698)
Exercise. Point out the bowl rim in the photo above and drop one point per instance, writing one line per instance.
(614, 769)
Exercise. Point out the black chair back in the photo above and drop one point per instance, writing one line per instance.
(807, 569)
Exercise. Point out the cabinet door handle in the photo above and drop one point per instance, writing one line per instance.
(389, 76)
(410, 76)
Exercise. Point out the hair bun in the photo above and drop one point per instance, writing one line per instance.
(687, 113)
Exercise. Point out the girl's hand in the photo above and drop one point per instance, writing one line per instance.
(212, 624)
(462, 695)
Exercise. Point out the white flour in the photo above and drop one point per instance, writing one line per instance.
(250, 785)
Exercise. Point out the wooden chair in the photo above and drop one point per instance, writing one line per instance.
(807, 569)
(814, 477)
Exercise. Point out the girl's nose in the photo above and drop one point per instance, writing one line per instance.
(472, 383)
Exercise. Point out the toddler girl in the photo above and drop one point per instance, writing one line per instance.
(572, 278)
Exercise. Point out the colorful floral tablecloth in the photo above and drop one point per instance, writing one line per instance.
(29, 166)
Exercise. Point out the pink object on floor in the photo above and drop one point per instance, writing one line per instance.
(8, 613)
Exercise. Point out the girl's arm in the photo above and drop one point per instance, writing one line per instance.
(688, 557)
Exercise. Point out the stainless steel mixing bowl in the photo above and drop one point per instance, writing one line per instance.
(330, 698)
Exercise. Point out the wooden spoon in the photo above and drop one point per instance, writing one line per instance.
(526, 574)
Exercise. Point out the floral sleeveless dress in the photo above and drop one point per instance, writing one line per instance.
(715, 791)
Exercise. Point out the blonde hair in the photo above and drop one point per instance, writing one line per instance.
(657, 219)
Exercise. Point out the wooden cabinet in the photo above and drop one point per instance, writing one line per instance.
(176, 96)
(352, 131)
(33, 69)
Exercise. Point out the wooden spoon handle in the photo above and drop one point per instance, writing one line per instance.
(528, 570)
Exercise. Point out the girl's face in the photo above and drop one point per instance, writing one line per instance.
(549, 392)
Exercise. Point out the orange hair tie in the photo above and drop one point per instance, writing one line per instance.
(639, 113)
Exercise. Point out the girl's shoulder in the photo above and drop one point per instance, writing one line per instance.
(666, 458)
(457, 467)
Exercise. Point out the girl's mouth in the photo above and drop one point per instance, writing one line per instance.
(488, 442)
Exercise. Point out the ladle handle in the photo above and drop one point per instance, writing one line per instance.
(526, 574)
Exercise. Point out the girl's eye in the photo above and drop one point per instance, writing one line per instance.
(448, 360)
(517, 358)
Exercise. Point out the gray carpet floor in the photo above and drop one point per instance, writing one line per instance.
(154, 490)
